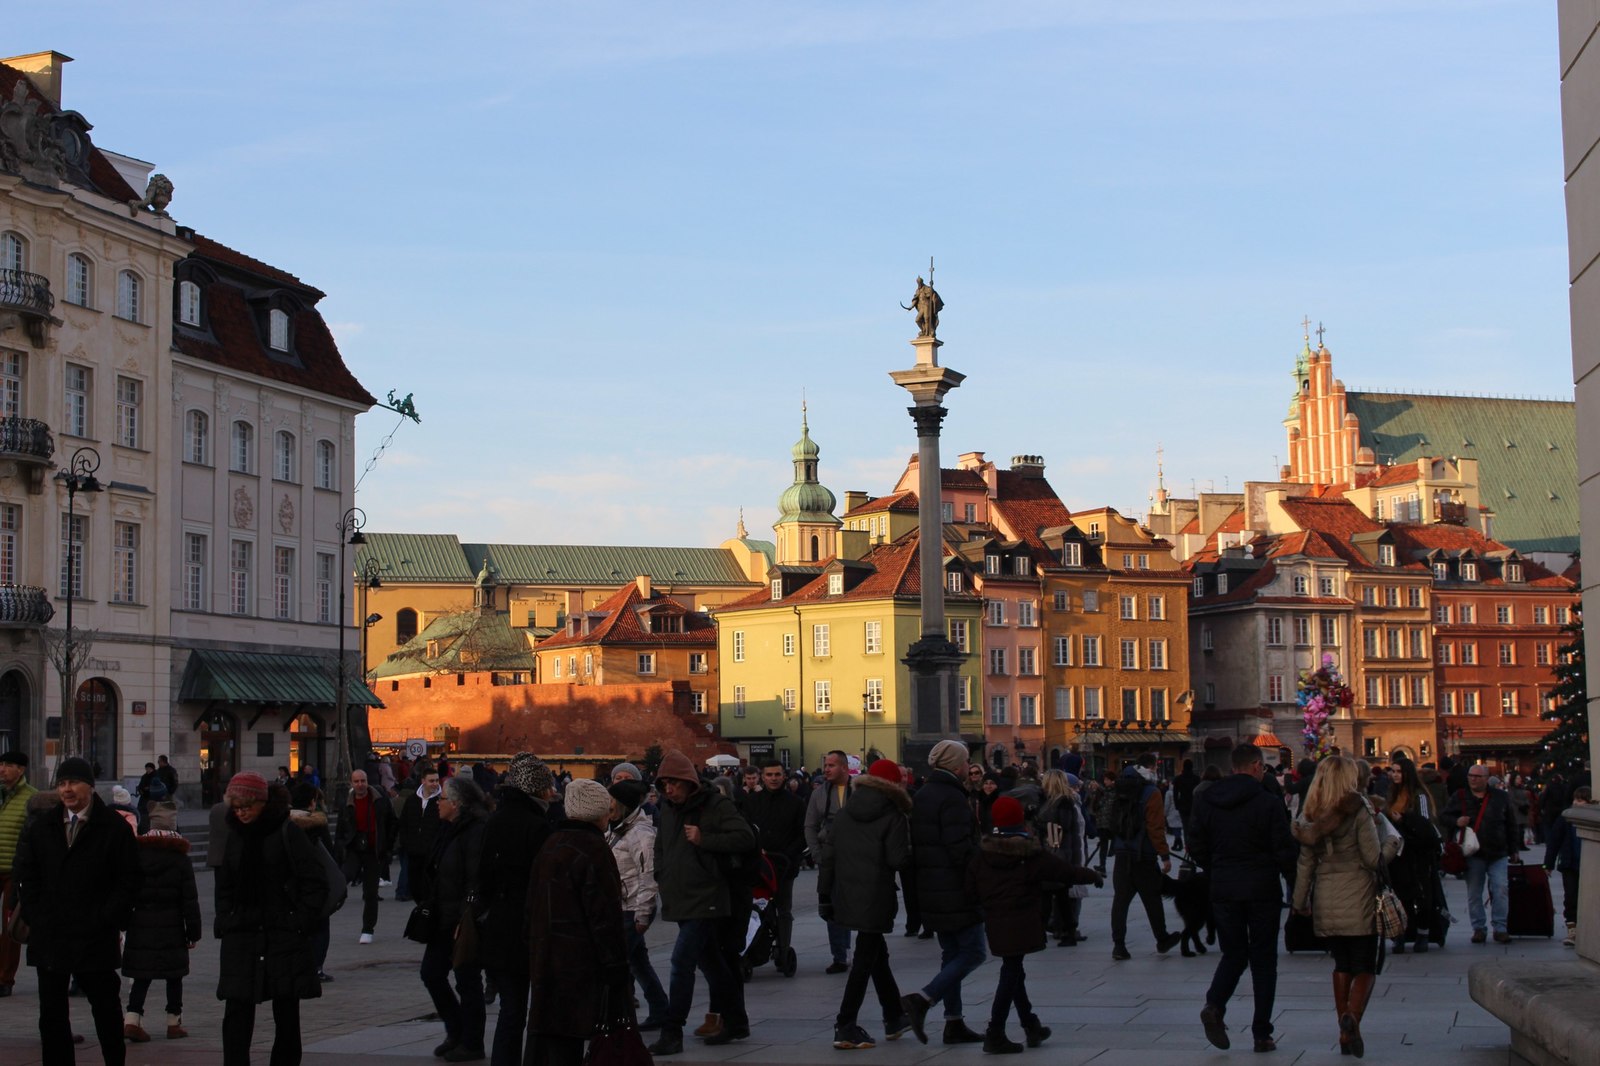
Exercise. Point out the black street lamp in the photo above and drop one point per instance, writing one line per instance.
(349, 528)
(368, 577)
(77, 477)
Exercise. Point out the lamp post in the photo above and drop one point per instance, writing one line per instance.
(368, 576)
(349, 527)
(866, 705)
(77, 477)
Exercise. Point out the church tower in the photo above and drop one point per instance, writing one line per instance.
(806, 529)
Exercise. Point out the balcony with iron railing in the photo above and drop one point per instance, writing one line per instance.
(24, 606)
(26, 447)
(25, 300)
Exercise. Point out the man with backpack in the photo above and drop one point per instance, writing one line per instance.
(1139, 829)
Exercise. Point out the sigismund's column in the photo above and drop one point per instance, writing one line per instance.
(932, 659)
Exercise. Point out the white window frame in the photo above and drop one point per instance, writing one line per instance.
(1094, 703)
(1128, 656)
(130, 289)
(327, 464)
(285, 457)
(1155, 654)
(821, 640)
(1061, 654)
(242, 447)
(872, 637)
(738, 701)
(961, 634)
(1128, 608)
(874, 695)
(1274, 631)
(788, 646)
(1091, 650)
(952, 580)
(1027, 616)
(1027, 662)
(738, 645)
(1302, 630)
(283, 581)
(1155, 607)
(196, 561)
(822, 696)
(836, 584)
(1302, 585)
(189, 303)
(1063, 703)
(1071, 553)
(699, 662)
(1330, 631)
(995, 612)
(325, 572)
(1325, 586)
(241, 577)
(130, 397)
(79, 384)
(646, 663)
(999, 710)
(1274, 688)
(124, 562)
(13, 370)
(997, 662)
(80, 280)
(1061, 600)
(278, 329)
(788, 699)
(197, 437)
(1027, 708)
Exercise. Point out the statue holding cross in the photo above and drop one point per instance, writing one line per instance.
(927, 304)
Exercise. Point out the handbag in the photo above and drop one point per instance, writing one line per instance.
(1392, 918)
(421, 923)
(465, 951)
(15, 927)
(1453, 860)
(617, 1041)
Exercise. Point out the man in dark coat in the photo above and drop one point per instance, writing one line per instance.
(701, 831)
(1488, 811)
(855, 888)
(419, 828)
(823, 805)
(1239, 833)
(1183, 786)
(168, 774)
(515, 832)
(780, 820)
(579, 960)
(77, 874)
(365, 836)
(944, 840)
(1139, 833)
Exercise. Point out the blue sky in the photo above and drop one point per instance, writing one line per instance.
(609, 245)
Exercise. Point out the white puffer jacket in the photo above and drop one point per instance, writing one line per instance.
(633, 845)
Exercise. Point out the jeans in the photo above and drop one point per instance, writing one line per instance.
(655, 997)
(698, 945)
(1012, 989)
(1247, 932)
(839, 942)
(871, 963)
(239, 1025)
(141, 985)
(1131, 874)
(513, 1017)
(402, 887)
(104, 991)
(462, 1011)
(368, 871)
(1493, 871)
(960, 953)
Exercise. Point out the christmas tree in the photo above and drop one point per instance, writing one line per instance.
(1321, 693)
(1568, 742)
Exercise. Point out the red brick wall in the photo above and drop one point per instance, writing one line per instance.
(614, 721)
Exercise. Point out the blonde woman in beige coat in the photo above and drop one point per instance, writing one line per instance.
(1337, 884)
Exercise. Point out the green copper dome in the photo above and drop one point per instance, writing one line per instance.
(806, 500)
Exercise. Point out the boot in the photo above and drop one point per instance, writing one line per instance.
(1341, 1007)
(956, 1032)
(670, 1042)
(1034, 1031)
(175, 1029)
(1360, 992)
(995, 1042)
(712, 1024)
(133, 1028)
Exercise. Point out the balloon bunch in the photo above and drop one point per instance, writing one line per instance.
(1321, 693)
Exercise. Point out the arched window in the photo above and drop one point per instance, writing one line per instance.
(405, 625)
(278, 330)
(80, 280)
(13, 251)
(197, 437)
(188, 303)
(326, 464)
(816, 548)
(130, 289)
(243, 448)
(284, 467)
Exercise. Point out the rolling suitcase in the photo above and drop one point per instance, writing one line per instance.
(1531, 911)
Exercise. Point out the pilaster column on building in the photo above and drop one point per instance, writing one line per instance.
(933, 659)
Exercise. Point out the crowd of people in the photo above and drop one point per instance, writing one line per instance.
(536, 890)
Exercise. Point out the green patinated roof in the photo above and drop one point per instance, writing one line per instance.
(443, 558)
(417, 557)
(532, 564)
(467, 641)
(256, 677)
(1526, 450)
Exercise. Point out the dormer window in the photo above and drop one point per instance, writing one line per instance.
(991, 564)
(1386, 555)
(836, 584)
(278, 329)
(1302, 585)
(952, 580)
(1441, 571)
(1072, 553)
(1469, 571)
(1199, 586)
(777, 588)
(189, 303)
(1022, 565)
(1222, 584)
(1513, 571)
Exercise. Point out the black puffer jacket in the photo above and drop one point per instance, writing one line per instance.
(512, 838)
(869, 842)
(1007, 878)
(166, 914)
(269, 895)
(944, 839)
(1240, 833)
(457, 862)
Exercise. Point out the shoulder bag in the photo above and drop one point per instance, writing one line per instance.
(1458, 846)
(617, 1041)
(338, 887)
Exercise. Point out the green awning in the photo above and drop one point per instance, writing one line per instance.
(245, 677)
(1116, 736)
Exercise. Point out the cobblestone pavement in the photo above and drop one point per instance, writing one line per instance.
(1143, 1011)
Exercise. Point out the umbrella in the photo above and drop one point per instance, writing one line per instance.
(722, 762)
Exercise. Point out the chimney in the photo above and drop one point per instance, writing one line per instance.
(1028, 465)
(854, 498)
(969, 460)
(643, 581)
(44, 70)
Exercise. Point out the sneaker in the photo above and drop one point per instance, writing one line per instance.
(324, 976)
(1167, 942)
(384, 882)
(1571, 939)
(837, 967)
(366, 938)
(1216, 1031)
(894, 1030)
(852, 1038)
(915, 1006)
(1120, 953)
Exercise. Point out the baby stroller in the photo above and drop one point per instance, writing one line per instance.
(761, 938)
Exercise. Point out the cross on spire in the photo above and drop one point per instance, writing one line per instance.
(1320, 331)
(1305, 324)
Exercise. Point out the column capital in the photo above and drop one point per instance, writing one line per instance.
(928, 418)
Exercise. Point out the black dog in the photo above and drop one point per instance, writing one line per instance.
(1190, 893)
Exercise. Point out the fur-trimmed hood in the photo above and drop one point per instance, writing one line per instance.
(42, 801)
(1005, 848)
(309, 820)
(868, 786)
(163, 840)
(1313, 832)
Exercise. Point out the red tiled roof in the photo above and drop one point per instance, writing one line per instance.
(105, 178)
(207, 248)
(1454, 538)
(896, 572)
(1333, 515)
(896, 501)
(1246, 589)
(236, 343)
(1403, 474)
(1028, 505)
(622, 625)
(1191, 526)
(961, 479)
